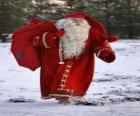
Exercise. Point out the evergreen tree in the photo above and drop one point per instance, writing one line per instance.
(100, 9)
(121, 17)
(127, 16)
(13, 14)
(45, 10)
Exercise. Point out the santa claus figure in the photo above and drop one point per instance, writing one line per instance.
(67, 58)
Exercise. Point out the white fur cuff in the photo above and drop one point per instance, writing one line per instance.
(99, 52)
(44, 40)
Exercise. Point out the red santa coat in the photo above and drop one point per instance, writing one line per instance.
(74, 76)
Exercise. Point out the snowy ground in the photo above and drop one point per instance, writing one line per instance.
(115, 90)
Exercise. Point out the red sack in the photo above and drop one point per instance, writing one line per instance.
(22, 47)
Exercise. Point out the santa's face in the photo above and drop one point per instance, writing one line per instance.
(76, 33)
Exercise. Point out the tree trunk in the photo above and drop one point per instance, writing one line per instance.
(130, 23)
(3, 38)
(107, 15)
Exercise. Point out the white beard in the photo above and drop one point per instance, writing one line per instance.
(73, 41)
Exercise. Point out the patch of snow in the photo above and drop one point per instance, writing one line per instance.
(115, 90)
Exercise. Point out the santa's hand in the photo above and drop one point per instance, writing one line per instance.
(46, 40)
(106, 55)
(37, 41)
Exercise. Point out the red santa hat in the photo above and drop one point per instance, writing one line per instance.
(93, 22)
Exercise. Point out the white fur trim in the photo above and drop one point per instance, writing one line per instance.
(46, 97)
(60, 54)
(59, 95)
(44, 40)
(99, 52)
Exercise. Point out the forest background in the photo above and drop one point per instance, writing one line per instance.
(121, 17)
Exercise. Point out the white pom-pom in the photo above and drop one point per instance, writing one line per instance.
(61, 63)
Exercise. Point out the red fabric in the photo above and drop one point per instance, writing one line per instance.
(23, 48)
(75, 15)
(112, 38)
(81, 73)
(107, 55)
(79, 78)
(104, 50)
(51, 39)
(60, 33)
